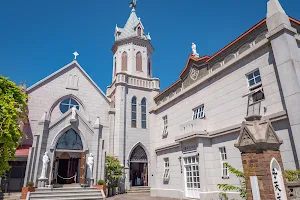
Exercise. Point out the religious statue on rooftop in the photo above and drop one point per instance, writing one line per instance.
(73, 116)
(194, 50)
(46, 160)
(90, 163)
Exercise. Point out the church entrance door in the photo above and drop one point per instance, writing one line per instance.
(139, 167)
(67, 169)
(69, 158)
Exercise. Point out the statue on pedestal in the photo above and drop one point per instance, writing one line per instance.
(194, 50)
(73, 116)
(90, 163)
(46, 160)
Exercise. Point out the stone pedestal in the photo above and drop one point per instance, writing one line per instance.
(259, 146)
(42, 182)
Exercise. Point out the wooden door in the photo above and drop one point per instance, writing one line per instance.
(82, 169)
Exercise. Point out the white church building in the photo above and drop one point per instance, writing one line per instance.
(175, 141)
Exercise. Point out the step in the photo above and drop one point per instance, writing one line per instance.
(67, 194)
(75, 198)
(56, 190)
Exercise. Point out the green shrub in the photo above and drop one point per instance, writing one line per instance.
(101, 182)
(292, 175)
(29, 184)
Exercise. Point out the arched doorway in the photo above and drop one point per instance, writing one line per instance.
(68, 153)
(138, 167)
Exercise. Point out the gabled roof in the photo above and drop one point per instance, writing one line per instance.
(209, 58)
(70, 65)
(193, 58)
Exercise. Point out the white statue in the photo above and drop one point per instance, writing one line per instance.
(46, 160)
(90, 163)
(73, 112)
(194, 50)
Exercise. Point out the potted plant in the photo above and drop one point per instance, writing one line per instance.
(101, 186)
(29, 188)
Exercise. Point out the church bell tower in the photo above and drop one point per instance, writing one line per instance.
(132, 92)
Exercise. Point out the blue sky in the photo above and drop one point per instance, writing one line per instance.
(38, 37)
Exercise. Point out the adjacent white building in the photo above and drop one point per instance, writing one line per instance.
(175, 141)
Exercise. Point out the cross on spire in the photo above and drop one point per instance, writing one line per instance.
(133, 4)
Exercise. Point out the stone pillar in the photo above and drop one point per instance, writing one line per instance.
(287, 67)
(259, 146)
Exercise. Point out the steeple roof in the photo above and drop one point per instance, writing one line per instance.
(130, 28)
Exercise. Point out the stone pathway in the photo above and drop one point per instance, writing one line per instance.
(138, 196)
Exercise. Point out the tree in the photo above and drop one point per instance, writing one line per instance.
(114, 171)
(13, 107)
(228, 187)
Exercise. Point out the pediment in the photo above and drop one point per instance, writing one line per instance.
(65, 119)
(246, 138)
(69, 77)
(257, 135)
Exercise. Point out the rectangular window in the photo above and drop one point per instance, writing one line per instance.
(166, 175)
(223, 158)
(254, 78)
(165, 130)
(198, 113)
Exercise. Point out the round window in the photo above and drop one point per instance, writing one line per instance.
(67, 104)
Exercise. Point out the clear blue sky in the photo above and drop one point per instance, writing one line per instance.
(37, 37)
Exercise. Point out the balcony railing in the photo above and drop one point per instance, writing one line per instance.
(254, 108)
(197, 125)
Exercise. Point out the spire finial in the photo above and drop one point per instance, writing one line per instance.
(274, 7)
(75, 55)
(133, 5)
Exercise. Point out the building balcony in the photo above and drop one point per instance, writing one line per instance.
(193, 128)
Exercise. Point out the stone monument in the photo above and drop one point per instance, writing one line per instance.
(259, 146)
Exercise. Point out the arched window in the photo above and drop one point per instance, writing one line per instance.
(144, 113)
(139, 62)
(133, 112)
(139, 32)
(115, 67)
(70, 140)
(124, 61)
(67, 104)
(149, 67)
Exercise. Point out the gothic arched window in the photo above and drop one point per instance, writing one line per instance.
(139, 32)
(133, 112)
(149, 67)
(139, 62)
(124, 61)
(70, 140)
(144, 113)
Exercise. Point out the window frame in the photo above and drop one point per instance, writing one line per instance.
(223, 160)
(166, 173)
(197, 111)
(256, 84)
(70, 105)
(144, 113)
(165, 123)
(133, 111)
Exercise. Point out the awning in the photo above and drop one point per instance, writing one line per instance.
(22, 151)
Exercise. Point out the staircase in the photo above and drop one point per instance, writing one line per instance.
(67, 193)
(139, 189)
(10, 196)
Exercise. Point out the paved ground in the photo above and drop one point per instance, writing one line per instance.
(139, 196)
